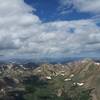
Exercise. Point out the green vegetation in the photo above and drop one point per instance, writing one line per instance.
(55, 89)
(71, 81)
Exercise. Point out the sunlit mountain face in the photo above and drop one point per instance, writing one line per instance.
(54, 30)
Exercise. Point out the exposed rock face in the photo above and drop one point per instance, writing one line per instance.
(84, 73)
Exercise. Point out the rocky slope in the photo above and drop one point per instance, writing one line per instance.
(83, 73)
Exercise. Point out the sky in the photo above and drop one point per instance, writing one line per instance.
(49, 28)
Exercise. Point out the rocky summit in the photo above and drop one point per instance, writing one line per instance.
(67, 81)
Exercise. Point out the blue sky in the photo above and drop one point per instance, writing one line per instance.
(49, 10)
(49, 28)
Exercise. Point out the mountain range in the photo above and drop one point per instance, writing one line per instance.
(83, 73)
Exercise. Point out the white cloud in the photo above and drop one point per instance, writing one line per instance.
(22, 32)
(88, 5)
(82, 5)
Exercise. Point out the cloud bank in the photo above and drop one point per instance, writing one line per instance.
(23, 33)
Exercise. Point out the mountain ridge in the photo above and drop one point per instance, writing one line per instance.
(84, 73)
